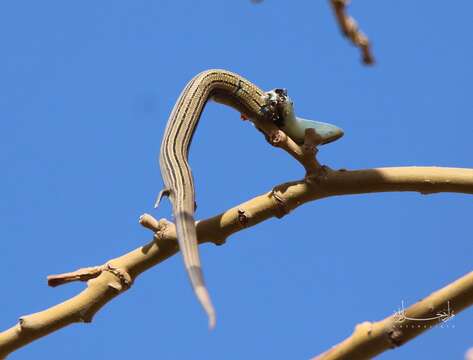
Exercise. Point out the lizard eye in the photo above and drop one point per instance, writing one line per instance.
(281, 91)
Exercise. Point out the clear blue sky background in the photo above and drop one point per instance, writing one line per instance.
(85, 92)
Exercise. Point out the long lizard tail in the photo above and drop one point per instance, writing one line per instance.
(187, 238)
(197, 280)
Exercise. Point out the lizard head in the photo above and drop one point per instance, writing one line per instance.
(293, 126)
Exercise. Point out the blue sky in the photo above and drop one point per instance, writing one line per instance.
(86, 89)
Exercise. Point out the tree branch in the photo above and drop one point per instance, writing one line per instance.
(371, 339)
(118, 274)
(349, 28)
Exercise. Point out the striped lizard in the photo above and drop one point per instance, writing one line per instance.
(233, 90)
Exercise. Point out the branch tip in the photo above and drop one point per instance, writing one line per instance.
(83, 274)
(149, 222)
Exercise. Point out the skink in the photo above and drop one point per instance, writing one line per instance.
(233, 90)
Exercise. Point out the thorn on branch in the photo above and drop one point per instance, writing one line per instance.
(350, 29)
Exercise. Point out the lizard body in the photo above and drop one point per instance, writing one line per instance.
(224, 87)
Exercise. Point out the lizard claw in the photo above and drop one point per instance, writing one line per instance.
(162, 193)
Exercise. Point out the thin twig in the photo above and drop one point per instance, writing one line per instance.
(350, 29)
(83, 274)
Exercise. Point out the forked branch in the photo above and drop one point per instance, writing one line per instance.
(118, 274)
